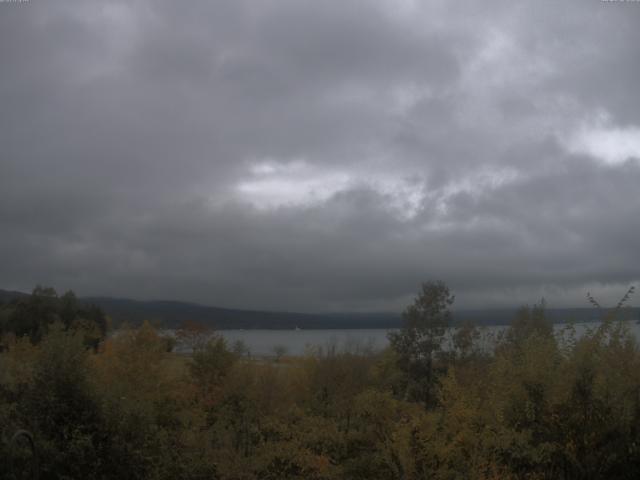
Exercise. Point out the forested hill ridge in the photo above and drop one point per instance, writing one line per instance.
(172, 314)
(8, 295)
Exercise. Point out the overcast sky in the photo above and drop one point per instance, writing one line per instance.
(321, 155)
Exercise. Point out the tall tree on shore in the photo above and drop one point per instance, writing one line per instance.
(420, 339)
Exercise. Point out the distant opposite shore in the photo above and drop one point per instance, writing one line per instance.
(172, 314)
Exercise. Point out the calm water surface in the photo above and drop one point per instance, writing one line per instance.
(298, 342)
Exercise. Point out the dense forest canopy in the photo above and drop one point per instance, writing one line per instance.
(538, 406)
(32, 315)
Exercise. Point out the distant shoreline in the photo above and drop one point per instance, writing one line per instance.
(171, 314)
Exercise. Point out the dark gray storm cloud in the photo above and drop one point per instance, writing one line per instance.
(321, 155)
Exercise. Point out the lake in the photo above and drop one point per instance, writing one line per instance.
(298, 342)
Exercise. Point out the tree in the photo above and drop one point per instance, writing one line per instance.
(465, 340)
(279, 351)
(211, 364)
(240, 348)
(61, 408)
(193, 336)
(420, 339)
(33, 315)
(527, 322)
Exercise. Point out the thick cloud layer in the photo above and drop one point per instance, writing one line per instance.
(321, 156)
